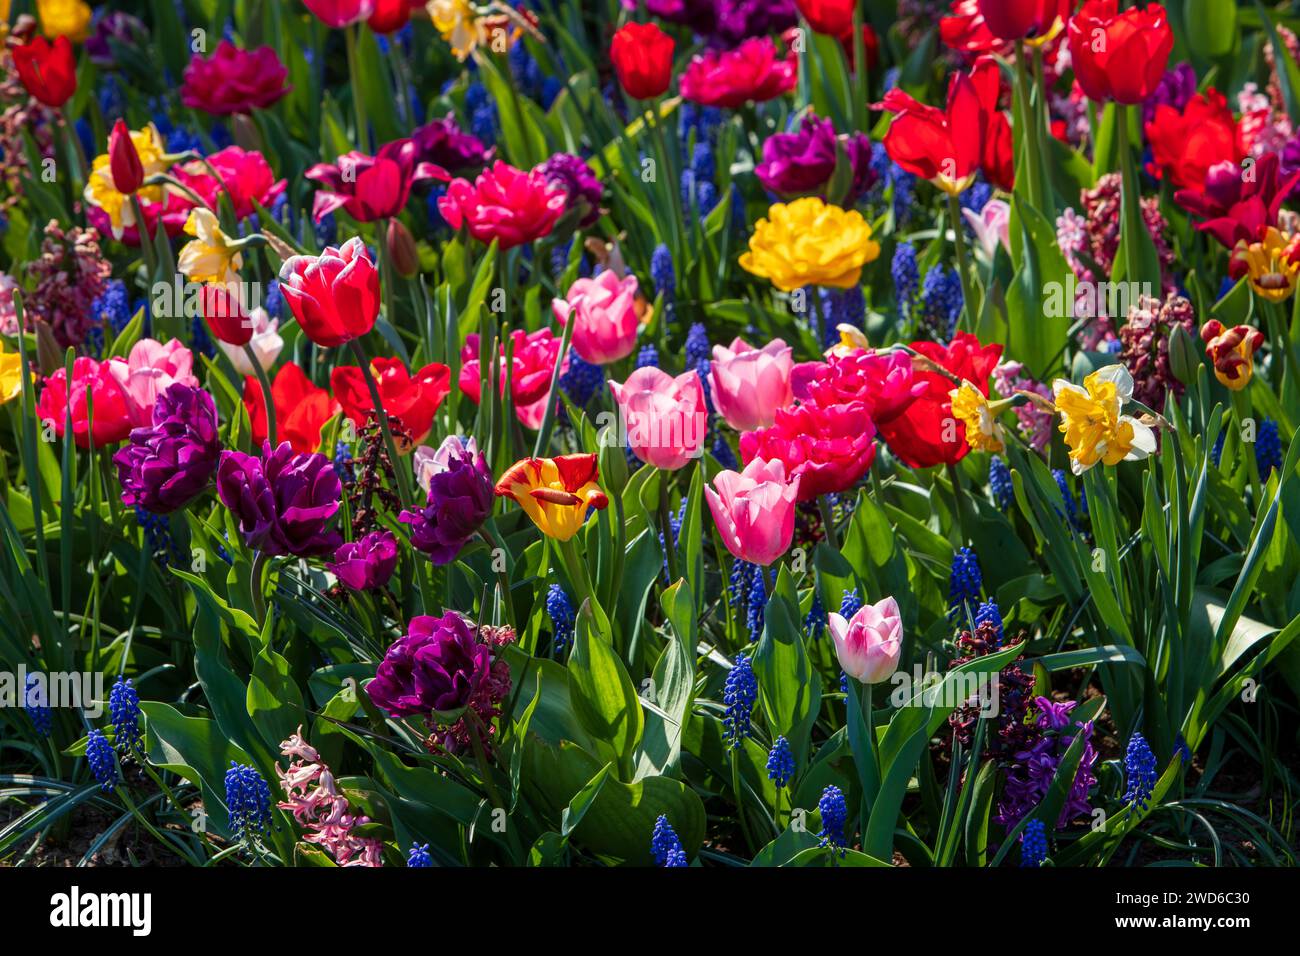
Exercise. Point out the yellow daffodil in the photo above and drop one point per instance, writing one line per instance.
(458, 24)
(65, 18)
(11, 375)
(1272, 270)
(100, 190)
(209, 256)
(1093, 422)
(971, 408)
(555, 492)
(808, 242)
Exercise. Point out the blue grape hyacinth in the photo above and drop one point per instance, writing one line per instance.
(124, 712)
(835, 816)
(102, 759)
(1033, 844)
(665, 845)
(419, 855)
(248, 801)
(1139, 771)
(780, 762)
(739, 694)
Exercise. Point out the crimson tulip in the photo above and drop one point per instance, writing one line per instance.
(372, 187)
(334, 296)
(1184, 145)
(124, 160)
(833, 18)
(336, 14)
(1025, 19)
(391, 15)
(1120, 56)
(48, 70)
(643, 60)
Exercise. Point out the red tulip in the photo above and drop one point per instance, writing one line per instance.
(1120, 56)
(948, 146)
(48, 70)
(927, 434)
(643, 60)
(831, 17)
(337, 14)
(391, 15)
(301, 409)
(413, 400)
(124, 160)
(226, 315)
(1024, 19)
(1185, 145)
(334, 296)
(965, 30)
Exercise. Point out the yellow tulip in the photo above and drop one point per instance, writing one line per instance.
(1272, 273)
(65, 18)
(11, 375)
(555, 492)
(808, 242)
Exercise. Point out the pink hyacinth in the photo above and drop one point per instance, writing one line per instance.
(754, 510)
(506, 204)
(749, 384)
(313, 797)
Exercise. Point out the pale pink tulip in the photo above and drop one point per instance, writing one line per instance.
(265, 343)
(992, 225)
(665, 418)
(434, 461)
(150, 370)
(605, 320)
(868, 646)
(750, 384)
(754, 510)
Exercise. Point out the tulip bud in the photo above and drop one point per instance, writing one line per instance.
(1184, 361)
(402, 252)
(612, 461)
(124, 160)
(246, 134)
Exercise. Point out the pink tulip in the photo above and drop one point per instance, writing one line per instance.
(150, 370)
(754, 510)
(750, 384)
(868, 646)
(665, 418)
(340, 13)
(605, 320)
(992, 225)
(884, 381)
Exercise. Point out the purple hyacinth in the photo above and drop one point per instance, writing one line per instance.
(436, 668)
(368, 563)
(283, 501)
(1032, 769)
(579, 181)
(443, 143)
(169, 463)
(803, 162)
(1175, 89)
(460, 500)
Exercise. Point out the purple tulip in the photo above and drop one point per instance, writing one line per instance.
(443, 143)
(578, 180)
(283, 501)
(460, 500)
(803, 163)
(436, 668)
(167, 464)
(367, 564)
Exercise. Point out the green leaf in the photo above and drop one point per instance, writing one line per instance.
(602, 693)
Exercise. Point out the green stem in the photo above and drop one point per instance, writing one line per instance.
(1130, 205)
(1242, 410)
(354, 75)
(1032, 154)
(828, 521)
(492, 539)
(959, 495)
(257, 585)
(665, 525)
(970, 301)
(267, 399)
(403, 479)
(740, 800)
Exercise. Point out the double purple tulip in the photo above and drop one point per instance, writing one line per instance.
(460, 500)
(167, 465)
(436, 668)
(367, 563)
(284, 501)
(803, 163)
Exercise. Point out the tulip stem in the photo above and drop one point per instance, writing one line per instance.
(740, 800)
(1033, 157)
(1242, 411)
(665, 524)
(959, 496)
(828, 521)
(354, 76)
(267, 399)
(493, 540)
(257, 584)
(970, 301)
(403, 480)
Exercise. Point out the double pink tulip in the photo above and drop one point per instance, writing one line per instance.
(666, 418)
(754, 510)
(868, 645)
(750, 384)
(149, 370)
(605, 319)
